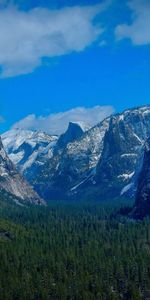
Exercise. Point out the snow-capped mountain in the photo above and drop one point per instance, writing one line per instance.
(13, 183)
(28, 149)
(71, 165)
(100, 162)
(123, 146)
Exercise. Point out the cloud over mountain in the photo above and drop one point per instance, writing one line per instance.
(58, 122)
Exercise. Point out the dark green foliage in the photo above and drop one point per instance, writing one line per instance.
(72, 251)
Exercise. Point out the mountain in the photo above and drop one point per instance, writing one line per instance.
(123, 146)
(142, 202)
(31, 151)
(102, 163)
(28, 149)
(13, 183)
(97, 163)
(74, 132)
(72, 164)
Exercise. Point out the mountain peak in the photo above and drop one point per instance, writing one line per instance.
(83, 126)
(74, 131)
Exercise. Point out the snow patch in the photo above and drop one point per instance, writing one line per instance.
(126, 176)
(126, 188)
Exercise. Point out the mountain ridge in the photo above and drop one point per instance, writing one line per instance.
(103, 161)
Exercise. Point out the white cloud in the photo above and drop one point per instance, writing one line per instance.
(139, 30)
(57, 123)
(26, 37)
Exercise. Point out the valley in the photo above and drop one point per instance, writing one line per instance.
(74, 211)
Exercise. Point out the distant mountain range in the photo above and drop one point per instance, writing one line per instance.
(101, 162)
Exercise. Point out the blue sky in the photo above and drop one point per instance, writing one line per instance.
(106, 63)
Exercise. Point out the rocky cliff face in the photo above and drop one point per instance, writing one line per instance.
(142, 202)
(74, 132)
(123, 145)
(13, 183)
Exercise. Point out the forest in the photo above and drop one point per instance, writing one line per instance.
(73, 251)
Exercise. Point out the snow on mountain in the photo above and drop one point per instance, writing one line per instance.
(123, 145)
(103, 161)
(72, 164)
(13, 183)
(28, 149)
